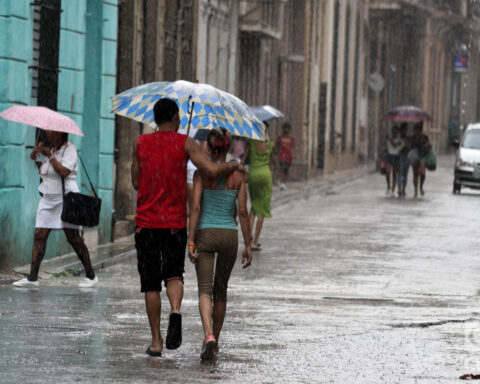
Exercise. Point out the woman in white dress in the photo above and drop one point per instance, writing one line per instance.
(61, 161)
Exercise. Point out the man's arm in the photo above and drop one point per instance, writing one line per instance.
(134, 172)
(202, 162)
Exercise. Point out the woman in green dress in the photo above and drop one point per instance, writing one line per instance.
(260, 157)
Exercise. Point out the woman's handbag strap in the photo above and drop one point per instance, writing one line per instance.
(88, 177)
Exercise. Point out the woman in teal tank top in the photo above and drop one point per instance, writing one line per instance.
(213, 230)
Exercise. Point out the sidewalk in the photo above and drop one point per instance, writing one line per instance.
(124, 248)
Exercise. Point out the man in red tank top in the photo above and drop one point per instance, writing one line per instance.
(159, 169)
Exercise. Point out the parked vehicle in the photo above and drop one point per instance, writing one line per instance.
(467, 161)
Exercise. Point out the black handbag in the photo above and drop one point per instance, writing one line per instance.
(80, 209)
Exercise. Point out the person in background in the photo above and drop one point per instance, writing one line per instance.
(260, 157)
(395, 144)
(285, 147)
(420, 145)
(61, 162)
(403, 161)
(159, 174)
(237, 150)
(212, 230)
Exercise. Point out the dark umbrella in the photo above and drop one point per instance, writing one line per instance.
(407, 114)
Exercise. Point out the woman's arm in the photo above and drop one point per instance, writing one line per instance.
(194, 215)
(245, 153)
(57, 166)
(34, 155)
(244, 221)
(272, 158)
(428, 145)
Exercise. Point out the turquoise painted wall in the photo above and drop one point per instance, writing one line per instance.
(76, 80)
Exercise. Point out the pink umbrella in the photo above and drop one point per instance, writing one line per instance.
(41, 117)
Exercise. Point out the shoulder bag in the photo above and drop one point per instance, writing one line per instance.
(80, 209)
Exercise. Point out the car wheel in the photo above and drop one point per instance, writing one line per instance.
(456, 187)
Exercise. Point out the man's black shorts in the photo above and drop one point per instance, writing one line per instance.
(160, 255)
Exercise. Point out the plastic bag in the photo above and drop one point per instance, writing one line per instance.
(430, 161)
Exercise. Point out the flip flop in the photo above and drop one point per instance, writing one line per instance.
(153, 353)
(254, 249)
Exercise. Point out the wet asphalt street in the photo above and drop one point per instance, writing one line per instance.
(351, 287)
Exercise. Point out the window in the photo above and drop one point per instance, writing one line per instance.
(46, 38)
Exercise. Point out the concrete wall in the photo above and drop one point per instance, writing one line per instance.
(217, 32)
(18, 177)
(86, 82)
(346, 101)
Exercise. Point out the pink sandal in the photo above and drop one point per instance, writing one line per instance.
(209, 346)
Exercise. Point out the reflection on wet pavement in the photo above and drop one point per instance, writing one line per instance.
(351, 287)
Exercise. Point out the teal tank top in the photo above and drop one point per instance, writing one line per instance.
(217, 208)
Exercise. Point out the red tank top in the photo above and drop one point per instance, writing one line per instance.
(162, 189)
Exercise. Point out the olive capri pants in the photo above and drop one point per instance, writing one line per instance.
(213, 276)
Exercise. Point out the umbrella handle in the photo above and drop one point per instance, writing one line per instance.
(190, 119)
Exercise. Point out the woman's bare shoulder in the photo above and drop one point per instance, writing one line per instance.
(239, 178)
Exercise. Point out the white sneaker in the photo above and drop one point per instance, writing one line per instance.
(88, 283)
(25, 283)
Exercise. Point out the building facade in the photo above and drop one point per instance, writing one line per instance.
(156, 42)
(414, 47)
(308, 59)
(59, 54)
(168, 40)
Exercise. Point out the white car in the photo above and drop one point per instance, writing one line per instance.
(467, 161)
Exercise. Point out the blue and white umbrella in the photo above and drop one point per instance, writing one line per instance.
(212, 108)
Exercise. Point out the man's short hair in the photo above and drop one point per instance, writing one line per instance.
(164, 110)
(286, 126)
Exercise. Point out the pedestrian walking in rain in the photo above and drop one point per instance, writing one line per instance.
(260, 156)
(285, 147)
(395, 145)
(212, 230)
(60, 162)
(403, 161)
(159, 173)
(420, 145)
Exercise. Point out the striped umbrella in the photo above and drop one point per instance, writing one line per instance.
(407, 114)
(207, 107)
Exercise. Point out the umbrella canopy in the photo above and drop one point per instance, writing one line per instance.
(267, 113)
(192, 132)
(407, 114)
(213, 108)
(41, 117)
